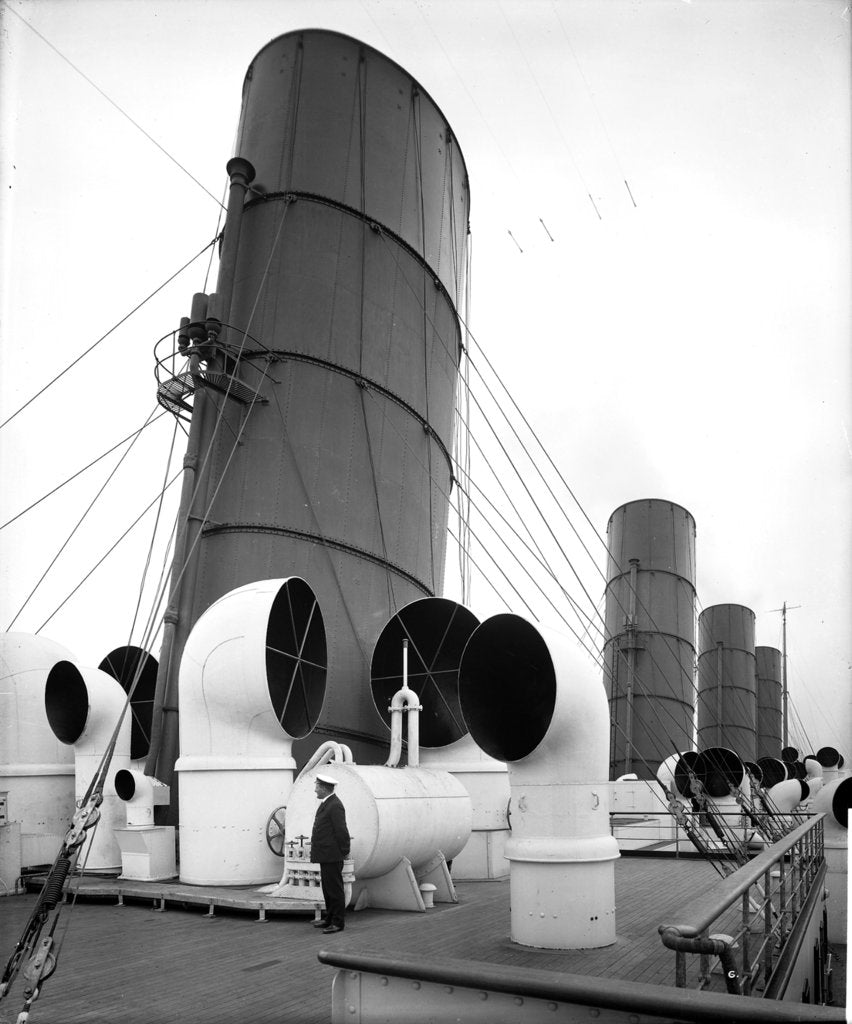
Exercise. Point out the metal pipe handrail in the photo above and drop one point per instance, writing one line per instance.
(702, 912)
(582, 990)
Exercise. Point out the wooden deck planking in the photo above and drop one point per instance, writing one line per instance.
(129, 965)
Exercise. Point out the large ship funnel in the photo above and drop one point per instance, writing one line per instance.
(36, 769)
(252, 680)
(531, 699)
(437, 630)
(348, 267)
(83, 707)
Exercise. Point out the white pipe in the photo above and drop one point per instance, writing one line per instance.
(141, 794)
(404, 700)
(787, 794)
(533, 698)
(833, 800)
(330, 752)
(235, 756)
(666, 776)
(83, 707)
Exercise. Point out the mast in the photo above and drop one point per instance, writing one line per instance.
(785, 739)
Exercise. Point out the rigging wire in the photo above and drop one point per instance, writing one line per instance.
(80, 521)
(547, 105)
(497, 565)
(592, 100)
(147, 508)
(149, 422)
(360, 92)
(663, 674)
(103, 337)
(153, 533)
(538, 555)
(109, 100)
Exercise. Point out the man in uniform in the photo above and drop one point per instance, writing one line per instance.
(329, 848)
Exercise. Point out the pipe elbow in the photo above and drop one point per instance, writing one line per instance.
(83, 706)
(834, 800)
(253, 673)
(141, 794)
(404, 699)
(787, 794)
(27, 739)
(531, 698)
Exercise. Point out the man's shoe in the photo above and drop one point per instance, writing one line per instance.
(331, 928)
(320, 924)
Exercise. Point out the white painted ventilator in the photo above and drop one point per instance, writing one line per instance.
(406, 823)
(147, 850)
(83, 707)
(834, 800)
(36, 768)
(533, 699)
(252, 679)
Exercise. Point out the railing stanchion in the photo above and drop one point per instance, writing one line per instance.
(767, 929)
(680, 970)
(746, 929)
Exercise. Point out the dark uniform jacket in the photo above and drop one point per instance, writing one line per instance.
(330, 837)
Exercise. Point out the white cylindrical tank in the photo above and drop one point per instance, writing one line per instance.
(36, 769)
(390, 812)
(252, 679)
(83, 707)
(437, 631)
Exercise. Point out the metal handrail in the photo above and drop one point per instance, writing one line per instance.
(771, 911)
(703, 911)
(438, 976)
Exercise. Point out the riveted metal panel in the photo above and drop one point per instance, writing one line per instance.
(342, 319)
(327, 114)
(649, 649)
(727, 685)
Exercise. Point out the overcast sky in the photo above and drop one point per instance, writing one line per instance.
(693, 346)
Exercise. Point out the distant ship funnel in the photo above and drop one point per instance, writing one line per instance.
(649, 650)
(727, 686)
(532, 699)
(769, 693)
